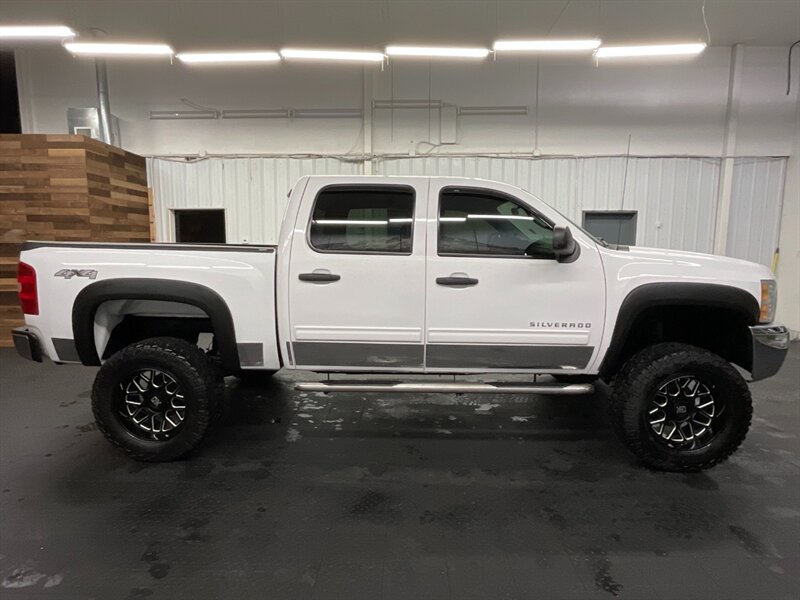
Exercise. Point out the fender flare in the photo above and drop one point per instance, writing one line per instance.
(92, 296)
(648, 295)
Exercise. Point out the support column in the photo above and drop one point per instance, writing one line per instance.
(103, 102)
(366, 116)
(728, 151)
(24, 90)
(788, 272)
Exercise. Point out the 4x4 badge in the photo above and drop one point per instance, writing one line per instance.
(70, 273)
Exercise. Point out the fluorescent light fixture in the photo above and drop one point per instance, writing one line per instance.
(228, 57)
(344, 55)
(660, 50)
(545, 45)
(21, 32)
(326, 113)
(182, 115)
(472, 111)
(437, 52)
(256, 113)
(118, 49)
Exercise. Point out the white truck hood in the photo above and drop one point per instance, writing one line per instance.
(697, 264)
(628, 269)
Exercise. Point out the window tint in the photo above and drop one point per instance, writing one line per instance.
(479, 222)
(366, 219)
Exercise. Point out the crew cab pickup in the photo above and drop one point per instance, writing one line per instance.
(410, 275)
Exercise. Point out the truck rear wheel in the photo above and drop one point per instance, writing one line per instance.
(156, 399)
(680, 408)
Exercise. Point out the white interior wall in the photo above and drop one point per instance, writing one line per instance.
(667, 108)
(675, 198)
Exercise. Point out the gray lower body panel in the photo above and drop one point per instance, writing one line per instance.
(467, 356)
(66, 350)
(251, 354)
(348, 354)
(441, 356)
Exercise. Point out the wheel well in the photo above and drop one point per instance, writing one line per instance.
(135, 328)
(101, 307)
(723, 331)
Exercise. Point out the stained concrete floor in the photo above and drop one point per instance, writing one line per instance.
(306, 496)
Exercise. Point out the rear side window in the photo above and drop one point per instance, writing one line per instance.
(363, 219)
(479, 222)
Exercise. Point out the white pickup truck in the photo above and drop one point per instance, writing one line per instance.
(410, 275)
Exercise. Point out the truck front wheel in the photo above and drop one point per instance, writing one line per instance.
(156, 399)
(680, 408)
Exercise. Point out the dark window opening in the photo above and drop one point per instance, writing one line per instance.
(484, 223)
(200, 226)
(9, 95)
(615, 227)
(377, 219)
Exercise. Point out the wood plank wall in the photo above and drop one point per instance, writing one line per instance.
(64, 187)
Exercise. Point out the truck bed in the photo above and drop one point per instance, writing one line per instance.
(77, 278)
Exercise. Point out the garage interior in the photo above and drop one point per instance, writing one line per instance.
(305, 495)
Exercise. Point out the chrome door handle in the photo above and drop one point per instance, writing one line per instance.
(457, 281)
(319, 277)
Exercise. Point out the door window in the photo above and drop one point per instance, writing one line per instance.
(484, 223)
(363, 219)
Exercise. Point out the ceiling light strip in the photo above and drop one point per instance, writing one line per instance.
(436, 52)
(209, 58)
(338, 55)
(546, 45)
(658, 50)
(21, 32)
(118, 49)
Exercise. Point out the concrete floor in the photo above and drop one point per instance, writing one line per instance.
(304, 496)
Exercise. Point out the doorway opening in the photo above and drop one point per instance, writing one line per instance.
(615, 227)
(200, 226)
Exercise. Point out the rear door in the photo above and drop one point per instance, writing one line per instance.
(496, 297)
(357, 276)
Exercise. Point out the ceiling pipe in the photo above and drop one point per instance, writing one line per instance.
(103, 99)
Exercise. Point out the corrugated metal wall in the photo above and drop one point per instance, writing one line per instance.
(756, 201)
(251, 190)
(675, 197)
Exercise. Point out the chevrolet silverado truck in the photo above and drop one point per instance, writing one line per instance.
(405, 276)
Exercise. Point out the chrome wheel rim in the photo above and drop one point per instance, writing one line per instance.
(684, 414)
(152, 405)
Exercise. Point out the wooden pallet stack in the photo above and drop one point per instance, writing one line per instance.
(64, 187)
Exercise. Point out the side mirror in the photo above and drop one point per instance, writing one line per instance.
(565, 247)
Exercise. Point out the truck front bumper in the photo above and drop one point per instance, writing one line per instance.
(770, 346)
(27, 344)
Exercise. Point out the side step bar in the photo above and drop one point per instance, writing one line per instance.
(571, 389)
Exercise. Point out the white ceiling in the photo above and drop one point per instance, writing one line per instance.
(200, 24)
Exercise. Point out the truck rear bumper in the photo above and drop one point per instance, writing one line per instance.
(770, 346)
(27, 344)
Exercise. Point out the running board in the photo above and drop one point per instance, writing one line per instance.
(572, 389)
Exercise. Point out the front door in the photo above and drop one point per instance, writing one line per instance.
(357, 276)
(497, 299)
